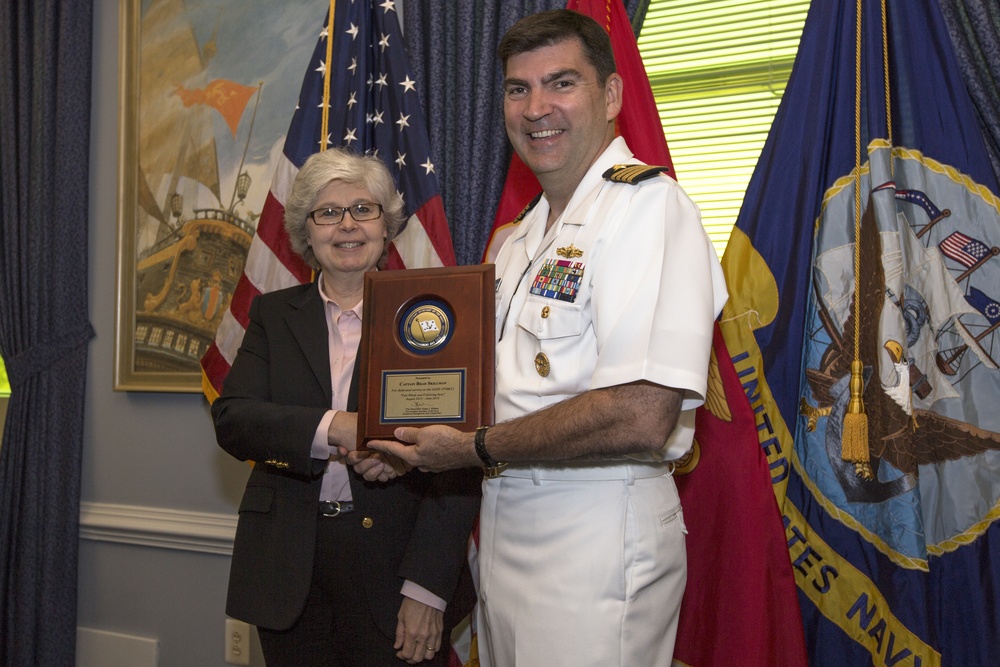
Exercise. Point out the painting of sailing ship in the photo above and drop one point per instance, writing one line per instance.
(207, 89)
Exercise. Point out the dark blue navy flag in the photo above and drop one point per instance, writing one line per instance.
(896, 565)
(371, 106)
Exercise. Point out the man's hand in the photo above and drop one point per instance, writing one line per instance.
(432, 449)
(418, 631)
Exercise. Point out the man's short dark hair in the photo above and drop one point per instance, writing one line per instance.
(551, 27)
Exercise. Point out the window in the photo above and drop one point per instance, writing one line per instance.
(4, 382)
(4, 396)
(718, 69)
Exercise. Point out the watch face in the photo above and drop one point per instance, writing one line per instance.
(426, 326)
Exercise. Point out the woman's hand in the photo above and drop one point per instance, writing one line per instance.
(343, 433)
(418, 632)
(376, 466)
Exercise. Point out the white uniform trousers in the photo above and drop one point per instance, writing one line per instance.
(580, 565)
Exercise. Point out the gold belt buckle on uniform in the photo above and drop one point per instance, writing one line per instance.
(494, 471)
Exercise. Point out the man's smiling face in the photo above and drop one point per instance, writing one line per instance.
(558, 115)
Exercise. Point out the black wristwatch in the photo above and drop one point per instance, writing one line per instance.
(491, 467)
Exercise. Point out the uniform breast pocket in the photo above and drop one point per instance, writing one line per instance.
(552, 342)
(549, 319)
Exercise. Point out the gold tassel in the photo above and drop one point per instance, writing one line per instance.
(854, 447)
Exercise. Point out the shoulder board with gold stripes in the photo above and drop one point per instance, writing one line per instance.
(633, 173)
(526, 209)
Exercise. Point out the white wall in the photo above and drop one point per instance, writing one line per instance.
(159, 497)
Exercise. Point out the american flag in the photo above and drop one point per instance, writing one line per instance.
(373, 108)
(963, 249)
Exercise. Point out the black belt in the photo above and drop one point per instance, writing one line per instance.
(332, 508)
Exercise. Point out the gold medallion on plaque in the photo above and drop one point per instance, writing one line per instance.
(426, 326)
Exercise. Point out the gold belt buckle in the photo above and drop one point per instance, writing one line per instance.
(494, 471)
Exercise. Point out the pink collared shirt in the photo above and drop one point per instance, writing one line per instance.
(344, 328)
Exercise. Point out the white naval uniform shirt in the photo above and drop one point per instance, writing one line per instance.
(624, 287)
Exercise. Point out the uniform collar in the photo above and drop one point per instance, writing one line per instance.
(578, 207)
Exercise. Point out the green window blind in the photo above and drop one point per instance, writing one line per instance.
(718, 69)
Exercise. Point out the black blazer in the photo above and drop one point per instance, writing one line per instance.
(273, 400)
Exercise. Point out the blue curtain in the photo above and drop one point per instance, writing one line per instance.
(45, 58)
(452, 49)
(974, 27)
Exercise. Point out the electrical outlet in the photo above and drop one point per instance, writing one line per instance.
(237, 642)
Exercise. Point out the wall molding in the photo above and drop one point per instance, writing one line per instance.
(182, 530)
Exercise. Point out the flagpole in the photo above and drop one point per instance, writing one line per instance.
(888, 88)
(325, 123)
(253, 117)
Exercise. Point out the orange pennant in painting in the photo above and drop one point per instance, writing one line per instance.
(227, 97)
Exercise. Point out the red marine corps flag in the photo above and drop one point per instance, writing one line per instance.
(358, 93)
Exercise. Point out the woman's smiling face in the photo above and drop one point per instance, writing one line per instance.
(349, 247)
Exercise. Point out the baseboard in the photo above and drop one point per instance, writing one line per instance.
(100, 648)
(199, 532)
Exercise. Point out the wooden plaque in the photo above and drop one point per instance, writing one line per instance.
(427, 350)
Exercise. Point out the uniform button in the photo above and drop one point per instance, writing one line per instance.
(545, 312)
(367, 522)
(542, 364)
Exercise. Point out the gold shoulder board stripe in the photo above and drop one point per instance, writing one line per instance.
(633, 173)
(524, 211)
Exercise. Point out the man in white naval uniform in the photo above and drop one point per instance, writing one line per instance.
(606, 297)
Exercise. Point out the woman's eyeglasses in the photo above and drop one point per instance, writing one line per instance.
(334, 215)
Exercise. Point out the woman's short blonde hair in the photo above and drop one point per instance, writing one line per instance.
(339, 164)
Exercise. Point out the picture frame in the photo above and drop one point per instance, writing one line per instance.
(206, 92)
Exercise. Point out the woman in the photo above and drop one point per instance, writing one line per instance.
(334, 570)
